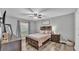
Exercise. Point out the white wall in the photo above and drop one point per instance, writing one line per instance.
(77, 30)
(32, 27)
(13, 23)
(64, 25)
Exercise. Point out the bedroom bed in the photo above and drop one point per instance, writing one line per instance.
(39, 39)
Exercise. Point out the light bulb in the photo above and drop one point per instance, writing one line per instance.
(35, 17)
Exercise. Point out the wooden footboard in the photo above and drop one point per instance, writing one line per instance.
(32, 42)
(35, 43)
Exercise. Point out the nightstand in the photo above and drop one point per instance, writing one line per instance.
(55, 38)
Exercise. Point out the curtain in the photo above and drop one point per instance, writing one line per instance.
(18, 29)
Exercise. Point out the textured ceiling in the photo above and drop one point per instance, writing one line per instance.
(21, 13)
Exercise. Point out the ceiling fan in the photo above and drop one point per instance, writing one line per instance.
(31, 13)
(36, 15)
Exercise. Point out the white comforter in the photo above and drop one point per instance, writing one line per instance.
(40, 37)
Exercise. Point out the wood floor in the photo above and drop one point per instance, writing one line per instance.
(50, 46)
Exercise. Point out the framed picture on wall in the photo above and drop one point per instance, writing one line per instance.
(47, 22)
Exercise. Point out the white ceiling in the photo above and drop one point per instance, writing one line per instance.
(20, 13)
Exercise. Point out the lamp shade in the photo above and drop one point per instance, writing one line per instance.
(54, 29)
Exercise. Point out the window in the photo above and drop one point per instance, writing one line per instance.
(24, 29)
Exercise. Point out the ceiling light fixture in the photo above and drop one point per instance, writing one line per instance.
(35, 17)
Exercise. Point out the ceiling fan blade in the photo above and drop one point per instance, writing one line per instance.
(44, 9)
(30, 10)
(27, 14)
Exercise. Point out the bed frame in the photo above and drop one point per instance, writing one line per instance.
(33, 42)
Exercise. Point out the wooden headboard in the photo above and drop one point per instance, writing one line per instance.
(46, 28)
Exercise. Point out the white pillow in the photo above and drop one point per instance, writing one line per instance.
(42, 31)
(47, 32)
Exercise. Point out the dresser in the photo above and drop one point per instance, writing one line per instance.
(55, 38)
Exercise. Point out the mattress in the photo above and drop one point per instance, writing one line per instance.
(40, 37)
